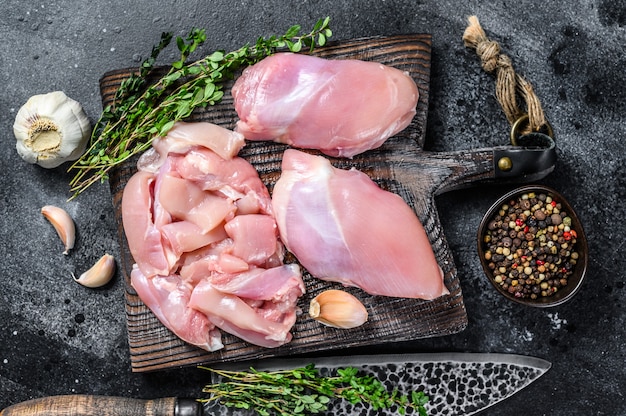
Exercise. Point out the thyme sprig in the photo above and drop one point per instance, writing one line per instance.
(142, 110)
(304, 391)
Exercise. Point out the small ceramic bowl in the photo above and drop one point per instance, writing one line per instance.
(536, 264)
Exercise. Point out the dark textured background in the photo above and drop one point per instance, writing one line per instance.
(57, 337)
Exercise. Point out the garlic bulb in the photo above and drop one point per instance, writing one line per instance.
(338, 309)
(63, 224)
(99, 274)
(51, 129)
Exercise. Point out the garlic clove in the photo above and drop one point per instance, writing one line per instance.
(99, 274)
(338, 309)
(62, 223)
(51, 129)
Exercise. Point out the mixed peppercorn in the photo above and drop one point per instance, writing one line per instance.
(530, 246)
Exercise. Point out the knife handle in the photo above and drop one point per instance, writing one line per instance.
(88, 405)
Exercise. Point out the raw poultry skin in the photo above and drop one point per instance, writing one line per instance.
(342, 227)
(200, 227)
(341, 107)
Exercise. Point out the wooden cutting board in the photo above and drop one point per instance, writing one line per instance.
(400, 165)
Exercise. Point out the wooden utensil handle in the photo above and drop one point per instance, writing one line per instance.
(88, 405)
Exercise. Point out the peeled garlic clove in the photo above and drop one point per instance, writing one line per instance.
(338, 309)
(51, 129)
(62, 223)
(100, 273)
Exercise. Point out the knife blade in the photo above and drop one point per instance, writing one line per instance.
(457, 384)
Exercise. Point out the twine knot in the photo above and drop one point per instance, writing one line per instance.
(508, 83)
(489, 52)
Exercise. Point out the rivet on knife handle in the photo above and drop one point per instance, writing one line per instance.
(88, 405)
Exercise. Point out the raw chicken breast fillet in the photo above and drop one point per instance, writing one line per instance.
(341, 107)
(200, 227)
(342, 227)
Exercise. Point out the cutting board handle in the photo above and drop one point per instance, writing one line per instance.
(531, 161)
(88, 405)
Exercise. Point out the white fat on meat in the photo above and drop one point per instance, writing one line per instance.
(194, 215)
(341, 107)
(343, 227)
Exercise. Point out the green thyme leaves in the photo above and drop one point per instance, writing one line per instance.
(304, 391)
(148, 103)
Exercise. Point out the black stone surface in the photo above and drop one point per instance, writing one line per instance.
(57, 337)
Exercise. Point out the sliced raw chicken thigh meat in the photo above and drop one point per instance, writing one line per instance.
(200, 227)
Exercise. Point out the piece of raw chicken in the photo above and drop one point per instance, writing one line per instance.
(341, 107)
(342, 227)
(200, 227)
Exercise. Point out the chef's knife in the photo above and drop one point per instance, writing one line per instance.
(457, 384)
